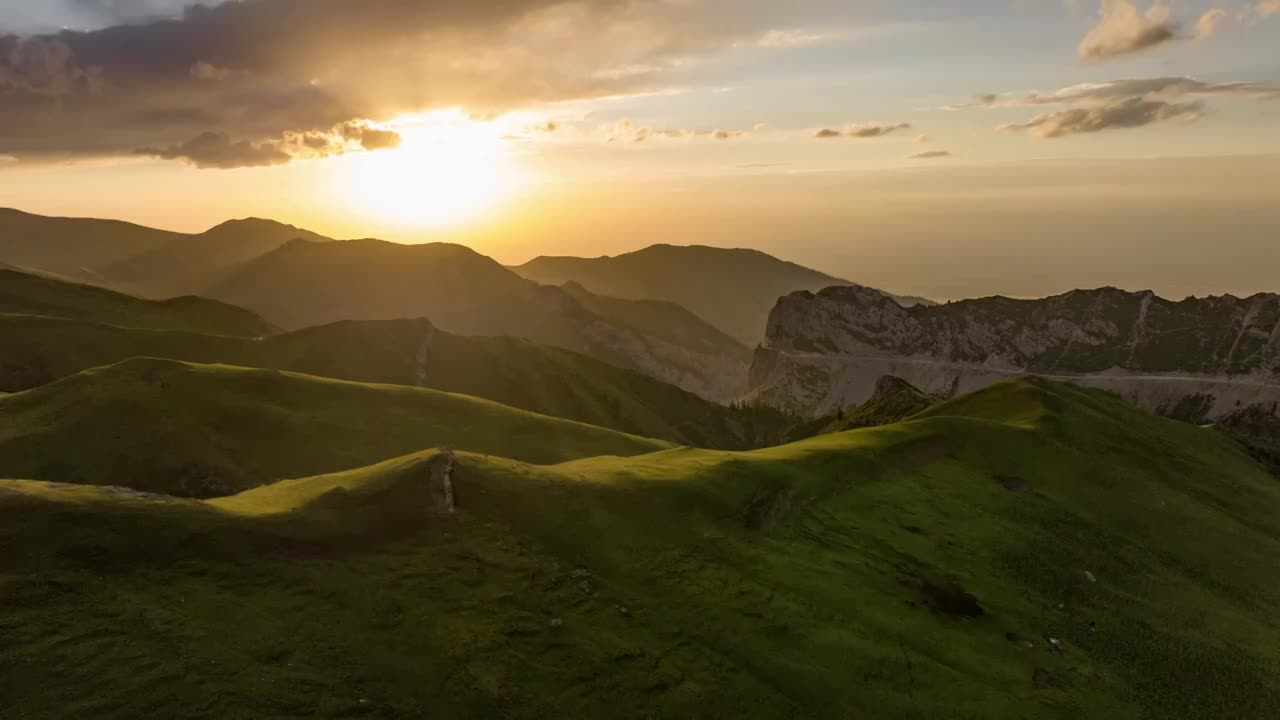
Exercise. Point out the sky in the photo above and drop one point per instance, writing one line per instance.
(935, 147)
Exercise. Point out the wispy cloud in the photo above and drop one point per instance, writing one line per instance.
(1267, 8)
(1131, 112)
(793, 38)
(862, 130)
(979, 100)
(1154, 88)
(929, 155)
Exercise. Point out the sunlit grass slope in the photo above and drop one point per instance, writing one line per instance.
(913, 571)
(206, 430)
(520, 373)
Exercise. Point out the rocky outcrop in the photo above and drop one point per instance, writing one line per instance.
(827, 351)
(439, 472)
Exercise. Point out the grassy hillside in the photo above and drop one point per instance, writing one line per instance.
(733, 289)
(308, 283)
(23, 293)
(1020, 553)
(551, 381)
(206, 430)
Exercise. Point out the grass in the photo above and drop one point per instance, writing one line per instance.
(22, 293)
(206, 430)
(551, 381)
(831, 578)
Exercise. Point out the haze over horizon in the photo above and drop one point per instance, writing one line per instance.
(997, 147)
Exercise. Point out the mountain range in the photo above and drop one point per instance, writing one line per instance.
(257, 472)
(734, 289)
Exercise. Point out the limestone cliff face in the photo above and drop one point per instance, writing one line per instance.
(827, 350)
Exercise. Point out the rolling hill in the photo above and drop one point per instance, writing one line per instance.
(733, 289)
(190, 262)
(308, 283)
(551, 381)
(1021, 552)
(24, 293)
(132, 258)
(210, 430)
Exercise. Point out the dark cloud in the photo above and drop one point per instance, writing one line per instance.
(929, 155)
(218, 150)
(254, 70)
(1130, 112)
(862, 130)
(373, 139)
(1123, 29)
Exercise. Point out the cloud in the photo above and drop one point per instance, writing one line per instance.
(1130, 112)
(1210, 22)
(204, 71)
(923, 139)
(218, 150)
(1122, 29)
(629, 132)
(862, 130)
(929, 155)
(979, 100)
(1154, 88)
(1267, 8)
(374, 139)
(781, 39)
(253, 70)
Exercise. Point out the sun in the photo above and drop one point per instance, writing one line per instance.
(448, 170)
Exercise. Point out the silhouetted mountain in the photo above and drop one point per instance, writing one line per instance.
(311, 283)
(733, 289)
(73, 247)
(194, 261)
(132, 258)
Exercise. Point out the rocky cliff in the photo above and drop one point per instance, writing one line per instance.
(1204, 359)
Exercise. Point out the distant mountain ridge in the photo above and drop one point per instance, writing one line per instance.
(133, 258)
(297, 278)
(733, 289)
(304, 283)
(1220, 354)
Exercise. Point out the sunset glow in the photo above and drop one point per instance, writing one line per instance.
(448, 169)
